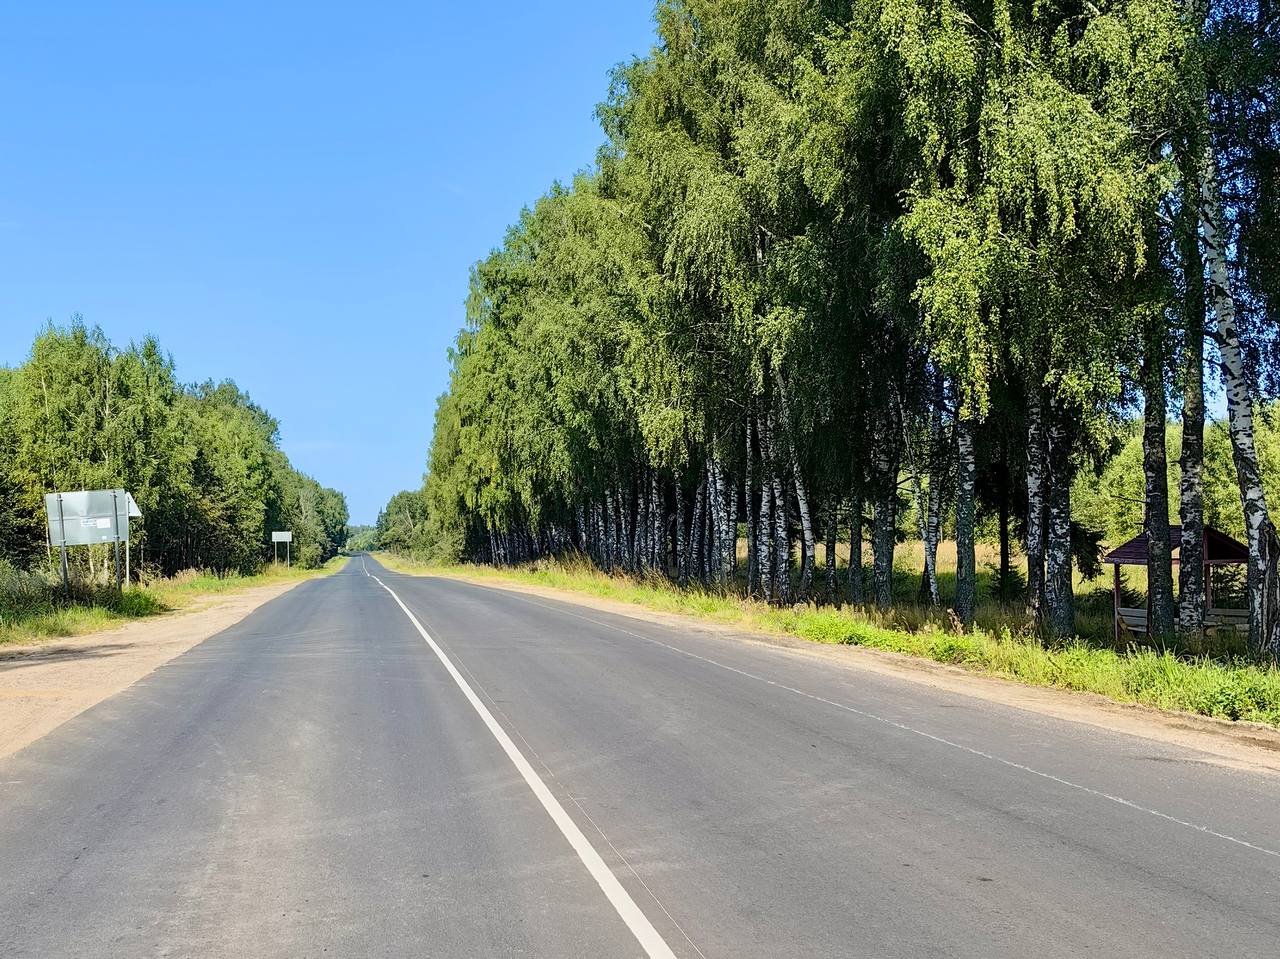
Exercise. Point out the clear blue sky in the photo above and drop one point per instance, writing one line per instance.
(290, 194)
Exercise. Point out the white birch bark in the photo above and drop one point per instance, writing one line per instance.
(1060, 609)
(682, 565)
(1239, 409)
(1036, 456)
(966, 563)
(885, 528)
(765, 551)
(1156, 480)
(857, 589)
(829, 557)
(802, 497)
(753, 566)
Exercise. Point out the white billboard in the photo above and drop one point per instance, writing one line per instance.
(282, 537)
(86, 517)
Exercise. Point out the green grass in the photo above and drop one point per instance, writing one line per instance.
(1227, 687)
(33, 609)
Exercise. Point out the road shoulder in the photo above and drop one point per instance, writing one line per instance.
(44, 685)
(1240, 745)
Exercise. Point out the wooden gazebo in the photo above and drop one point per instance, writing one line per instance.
(1219, 550)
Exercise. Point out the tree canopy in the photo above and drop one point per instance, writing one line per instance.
(203, 462)
(897, 263)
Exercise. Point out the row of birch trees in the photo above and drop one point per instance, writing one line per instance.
(845, 268)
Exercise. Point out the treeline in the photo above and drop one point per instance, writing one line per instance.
(203, 462)
(844, 265)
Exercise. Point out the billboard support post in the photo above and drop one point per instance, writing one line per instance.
(115, 521)
(62, 548)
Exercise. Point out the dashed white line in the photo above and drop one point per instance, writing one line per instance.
(1118, 800)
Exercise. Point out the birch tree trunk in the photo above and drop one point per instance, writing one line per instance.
(748, 496)
(612, 515)
(802, 496)
(781, 540)
(885, 529)
(1060, 609)
(642, 524)
(829, 556)
(806, 528)
(602, 541)
(1003, 526)
(764, 538)
(682, 567)
(627, 528)
(933, 530)
(1155, 470)
(1036, 460)
(1257, 521)
(711, 557)
(658, 524)
(966, 561)
(766, 548)
(694, 549)
(929, 503)
(857, 589)
(724, 547)
(1191, 585)
(715, 523)
(928, 578)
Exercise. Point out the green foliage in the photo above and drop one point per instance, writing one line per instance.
(1112, 499)
(362, 539)
(203, 462)
(820, 238)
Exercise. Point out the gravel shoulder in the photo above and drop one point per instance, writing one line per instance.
(1240, 745)
(44, 685)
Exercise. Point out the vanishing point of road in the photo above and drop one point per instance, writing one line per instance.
(382, 765)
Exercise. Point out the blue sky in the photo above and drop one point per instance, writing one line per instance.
(290, 194)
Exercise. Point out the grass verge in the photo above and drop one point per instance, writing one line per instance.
(1230, 687)
(33, 609)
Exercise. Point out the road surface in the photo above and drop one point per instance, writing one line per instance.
(524, 777)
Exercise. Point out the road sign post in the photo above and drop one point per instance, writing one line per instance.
(286, 537)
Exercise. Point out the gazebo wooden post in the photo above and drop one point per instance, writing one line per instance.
(1116, 607)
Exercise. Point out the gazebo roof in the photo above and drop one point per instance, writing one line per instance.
(1219, 549)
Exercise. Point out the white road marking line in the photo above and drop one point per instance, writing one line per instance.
(1119, 800)
(648, 937)
(476, 684)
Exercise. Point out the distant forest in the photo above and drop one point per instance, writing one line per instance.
(203, 462)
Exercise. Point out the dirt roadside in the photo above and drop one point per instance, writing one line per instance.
(1240, 745)
(43, 686)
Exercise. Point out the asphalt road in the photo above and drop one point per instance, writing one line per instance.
(320, 781)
